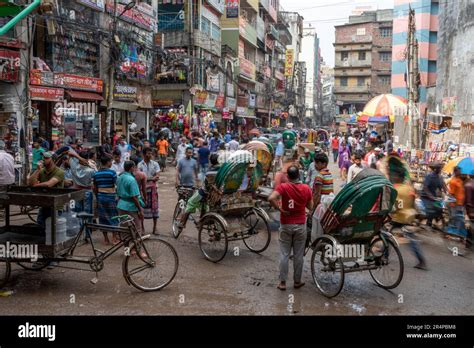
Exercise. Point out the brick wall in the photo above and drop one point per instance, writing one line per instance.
(379, 67)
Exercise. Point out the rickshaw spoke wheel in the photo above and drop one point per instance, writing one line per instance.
(33, 266)
(257, 233)
(327, 272)
(389, 262)
(151, 265)
(212, 239)
(5, 270)
(178, 211)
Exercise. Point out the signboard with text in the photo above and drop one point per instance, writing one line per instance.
(9, 65)
(232, 8)
(78, 82)
(289, 60)
(46, 93)
(125, 93)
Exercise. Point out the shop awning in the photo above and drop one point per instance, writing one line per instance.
(79, 95)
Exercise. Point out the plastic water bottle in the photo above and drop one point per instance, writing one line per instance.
(73, 224)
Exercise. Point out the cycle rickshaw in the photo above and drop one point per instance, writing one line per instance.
(230, 212)
(351, 236)
(149, 264)
(263, 155)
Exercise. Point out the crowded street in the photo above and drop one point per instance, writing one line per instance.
(240, 285)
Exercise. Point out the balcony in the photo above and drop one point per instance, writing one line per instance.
(351, 89)
(353, 62)
(273, 32)
(247, 31)
(261, 29)
(353, 72)
(203, 40)
(175, 79)
(247, 69)
(176, 39)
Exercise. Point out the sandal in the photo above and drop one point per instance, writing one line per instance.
(298, 285)
(282, 286)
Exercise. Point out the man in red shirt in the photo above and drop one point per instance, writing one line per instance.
(295, 198)
(335, 147)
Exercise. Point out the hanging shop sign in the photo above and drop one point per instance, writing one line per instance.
(41, 78)
(125, 93)
(163, 98)
(46, 93)
(279, 75)
(220, 101)
(231, 103)
(9, 65)
(144, 98)
(211, 100)
(136, 15)
(94, 4)
(200, 97)
(289, 61)
(232, 8)
(213, 82)
(79, 82)
(227, 115)
(252, 100)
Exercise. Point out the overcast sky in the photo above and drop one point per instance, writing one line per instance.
(324, 14)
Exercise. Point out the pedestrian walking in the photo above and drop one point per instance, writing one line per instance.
(130, 201)
(432, 193)
(117, 163)
(323, 182)
(456, 209)
(295, 198)
(203, 160)
(355, 168)
(104, 189)
(187, 170)
(335, 147)
(163, 147)
(7, 170)
(152, 170)
(234, 144)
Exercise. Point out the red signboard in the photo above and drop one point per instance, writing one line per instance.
(220, 101)
(46, 93)
(200, 98)
(9, 65)
(79, 82)
(41, 78)
(136, 15)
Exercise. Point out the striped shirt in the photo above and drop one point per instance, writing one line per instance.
(324, 178)
(105, 178)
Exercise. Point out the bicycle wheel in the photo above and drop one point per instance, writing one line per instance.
(212, 239)
(327, 272)
(155, 269)
(388, 258)
(5, 270)
(257, 234)
(178, 211)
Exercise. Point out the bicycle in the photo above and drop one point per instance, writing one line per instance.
(150, 263)
(184, 193)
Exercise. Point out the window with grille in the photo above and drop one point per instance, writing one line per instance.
(344, 55)
(361, 55)
(384, 80)
(216, 32)
(386, 32)
(343, 81)
(385, 56)
(205, 25)
(361, 81)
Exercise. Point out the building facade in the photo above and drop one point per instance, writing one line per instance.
(426, 14)
(455, 67)
(311, 54)
(363, 60)
(328, 99)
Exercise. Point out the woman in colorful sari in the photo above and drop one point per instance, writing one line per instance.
(152, 170)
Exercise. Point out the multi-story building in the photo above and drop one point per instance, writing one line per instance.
(311, 54)
(455, 79)
(296, 73)
(426, 14)
(328, 100)
(363, 59)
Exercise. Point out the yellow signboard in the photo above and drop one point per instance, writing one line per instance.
(289, 60)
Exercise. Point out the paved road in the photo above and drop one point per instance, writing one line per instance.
(244, 284)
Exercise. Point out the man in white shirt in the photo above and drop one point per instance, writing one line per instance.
(117, 164)
(7, 167)
(372, 159)
(125, 149)
(356, 168)
(234, 144)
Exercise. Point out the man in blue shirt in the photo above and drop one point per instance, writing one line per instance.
(203, 154)
(214, 143)
(279, 152)
(187, 170)
(227, 137)
(130, 201)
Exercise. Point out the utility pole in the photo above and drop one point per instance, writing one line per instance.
(413, 83)
(110, 97)
(191, 68)
(26, 109)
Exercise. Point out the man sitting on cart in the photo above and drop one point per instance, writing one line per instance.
(195, 201)
(47, 174)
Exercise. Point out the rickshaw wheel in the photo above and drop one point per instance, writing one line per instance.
(327, 272)
(151, 265)
(212, 239)
(257, 237)
(388, 258)
(178, 210)
(5, 270)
